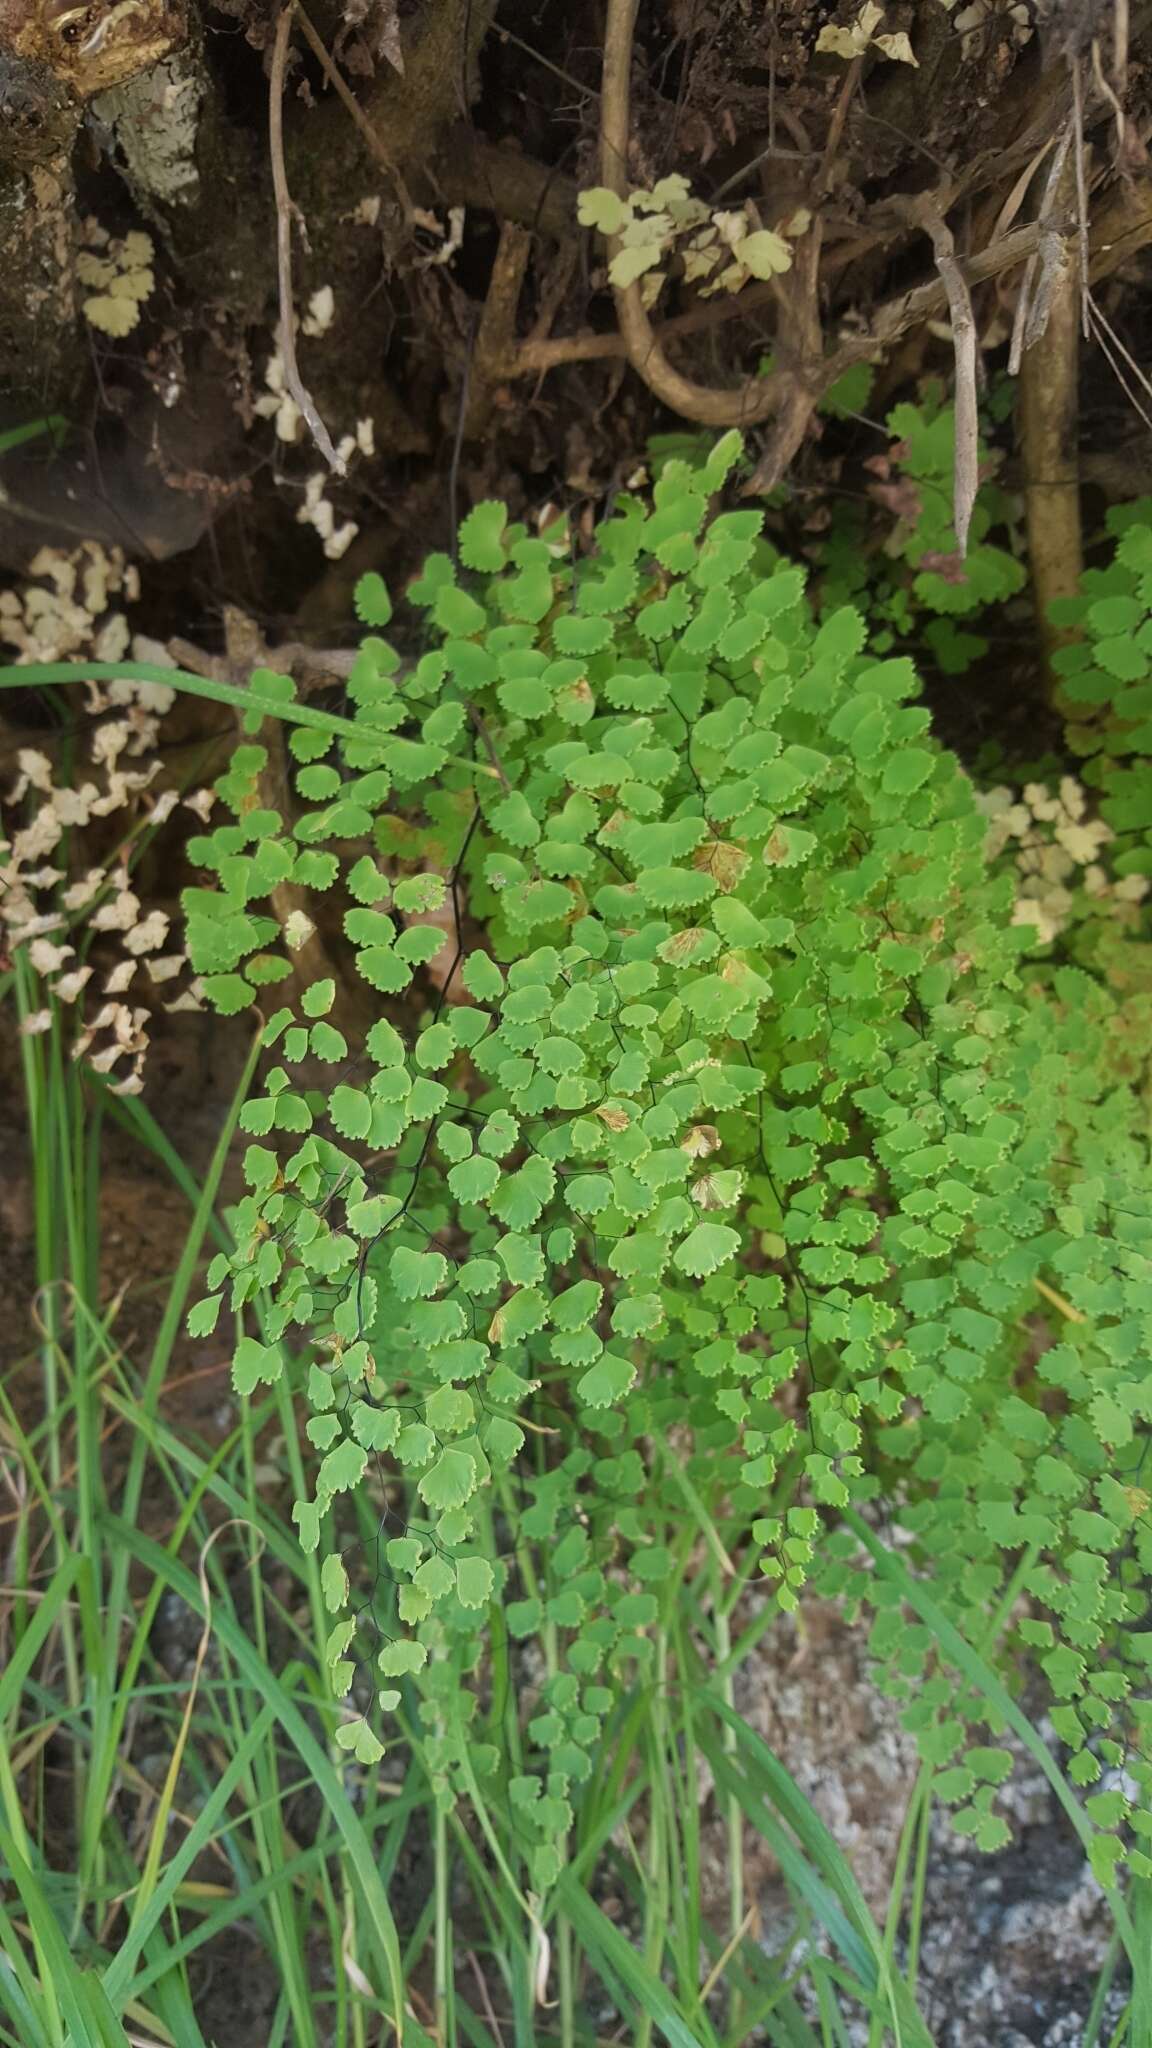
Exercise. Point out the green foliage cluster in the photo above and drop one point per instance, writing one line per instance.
(758, 1168)
(1106, 672)
(915, 589)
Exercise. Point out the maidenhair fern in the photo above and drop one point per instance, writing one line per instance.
(760, 1165)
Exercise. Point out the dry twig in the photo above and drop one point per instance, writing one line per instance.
(1049, 257)
(1081, 192)
(966, 474)
(1121, 361)
(1120, 32)
(836, 126)
(320, 666)
(293, 382)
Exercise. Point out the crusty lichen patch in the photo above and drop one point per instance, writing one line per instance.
(155, 120)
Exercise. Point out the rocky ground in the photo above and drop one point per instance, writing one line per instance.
(1012, 1943)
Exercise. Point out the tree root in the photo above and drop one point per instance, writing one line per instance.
(496, 335)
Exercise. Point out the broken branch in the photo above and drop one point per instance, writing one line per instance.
(293, 382)
(472, 171)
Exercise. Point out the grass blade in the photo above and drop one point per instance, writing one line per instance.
(31, 430)
(360, 1854)
(133, 1115)
(90, 2024)
(118, 1979)
(35, 1635)
(623, 1968)
(804, 1880)
(28, 674)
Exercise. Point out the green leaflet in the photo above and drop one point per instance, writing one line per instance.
(753, 1120)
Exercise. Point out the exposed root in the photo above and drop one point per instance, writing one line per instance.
(496, 334)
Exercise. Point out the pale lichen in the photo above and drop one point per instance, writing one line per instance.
(154, 121)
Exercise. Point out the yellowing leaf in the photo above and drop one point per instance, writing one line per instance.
(764, 253)
(136, 250)
(645, 228)
(698, 263)
(725, 862)
(616, 1119)
(834, 41)
(600, 208)
(853, 41)
(898, 48)
(670, 191)
(95, 270)
(629, 264)
(700, 1140)
(112, 315)
(334, 1583)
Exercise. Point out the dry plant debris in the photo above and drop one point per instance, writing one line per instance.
(81, 925)
(1055, 843)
